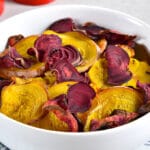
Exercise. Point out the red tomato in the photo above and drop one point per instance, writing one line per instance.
(33, 2)
(1, 6)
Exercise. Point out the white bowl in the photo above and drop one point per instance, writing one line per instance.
(19, 136)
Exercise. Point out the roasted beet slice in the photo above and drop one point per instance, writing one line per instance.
(57, 107)
(117, 38)
(66, 72)
(117, 65)
(92, 29)
(12, 40)
(63, 25)
(145, 88)
(67, 52)
(73, 56)
(79, 97)
(13, 59)
(4, 83)
(113, 121)
(145, 108)
(60, 101)
(45, 44)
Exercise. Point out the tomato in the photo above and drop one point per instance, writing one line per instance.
(33, 2)
(1, 6)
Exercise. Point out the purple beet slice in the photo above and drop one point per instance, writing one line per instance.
(145, 88)
(58, 107)
(117, 65)
(72, 54)
(112, 121)
(67, 52)
(12, 40)
(114, 38)
(45, 44)
(67, 72)
(79, 97)
(13, 59)
(62, 25)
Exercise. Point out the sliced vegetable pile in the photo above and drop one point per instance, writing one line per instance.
(74, 78)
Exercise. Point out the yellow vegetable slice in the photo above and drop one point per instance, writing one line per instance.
(98, 74)
(110, 99)
(140, 72)
(23, 45)
(59, 89)
(87, 48)
(51, 122)
(23, 102)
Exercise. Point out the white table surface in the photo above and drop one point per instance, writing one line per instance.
(137, 8)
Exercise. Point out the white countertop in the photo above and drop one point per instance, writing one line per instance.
(137, 8)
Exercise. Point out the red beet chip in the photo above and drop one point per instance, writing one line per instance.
(79, 97)
(60, 101)
(145, 108)
(117, 65)
(73, 56)
(112, 121)
(92, 30)
(13, 59)
(67, 72)
(145, 88)
(12, 40)
(63, 25)
(45, 44)
(67, 52)
(117, 38)
(58, 107)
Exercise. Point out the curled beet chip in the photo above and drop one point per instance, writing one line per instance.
(58, 107)
(12, 40)
(117, 65)
(13, 59)
(92, 30)
(113, 121)
(72, 55)
(60, 101)
(45, 44)
(145, 108)
(67, 52)
(145, 88)
(67, 72)
(63, 25)
(117, 38)
(79, 97)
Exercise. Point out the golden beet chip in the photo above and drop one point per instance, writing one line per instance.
(140, 72)
(23, 102)
(58, 121)
(87, 48)
(59, 89)
(23, 45)
(106, 101)
(98, 74)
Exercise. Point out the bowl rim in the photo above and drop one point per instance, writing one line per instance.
(90, 133)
